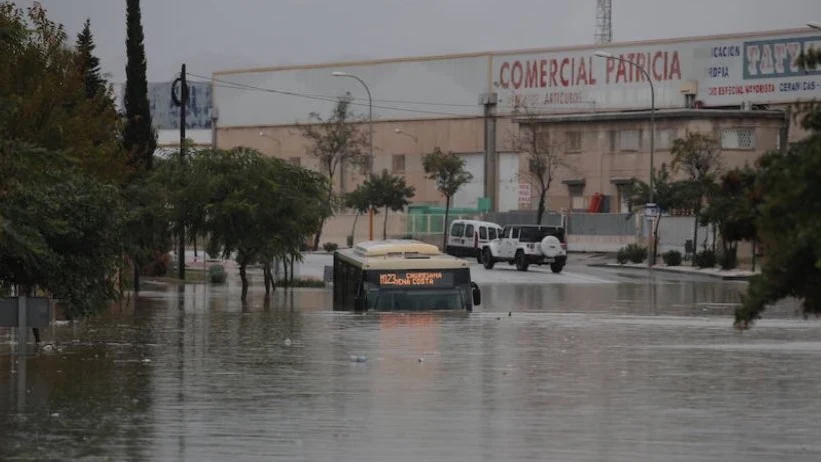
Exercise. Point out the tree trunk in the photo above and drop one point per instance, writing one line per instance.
(353, 228)
(385, 225)
(266, 276)
(318, 234)
(447, 211)
(194, 238)
(655, 241)
(285, 270)
(541, 209)
(28, 291)
(293, 257)
(696, 210)
(136, 275)
(715, 233)
(243, 275)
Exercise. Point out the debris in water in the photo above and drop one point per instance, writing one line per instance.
(421, 359)
(358, 358)
(509, 313)
(146, 360)
(55, 415)
(288, 342)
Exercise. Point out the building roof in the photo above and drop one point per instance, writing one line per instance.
(491, 53)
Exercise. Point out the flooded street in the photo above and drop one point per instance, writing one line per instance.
(597, 365)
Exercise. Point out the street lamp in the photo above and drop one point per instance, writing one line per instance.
(606, 55)
(400, 132)
(814, 25)
(279, 143)
(370, 134)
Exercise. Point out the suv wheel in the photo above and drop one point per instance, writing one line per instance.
(487, 258)
(521, 263)
(556, 267)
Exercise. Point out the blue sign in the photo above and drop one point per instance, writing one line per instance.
(767, 59)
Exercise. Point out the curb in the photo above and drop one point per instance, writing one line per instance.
(723, 277)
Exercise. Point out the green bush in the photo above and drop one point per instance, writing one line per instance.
(672, 258)
(705, 259)
(633, 253)
(330, 246)
(217, 274)
(728, 260)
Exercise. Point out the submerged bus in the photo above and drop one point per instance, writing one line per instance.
(401, 275)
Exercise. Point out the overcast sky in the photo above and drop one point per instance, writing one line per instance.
(212, 35)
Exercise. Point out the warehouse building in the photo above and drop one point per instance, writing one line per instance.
(595, 110)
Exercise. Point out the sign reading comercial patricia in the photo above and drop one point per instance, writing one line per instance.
(723, 73)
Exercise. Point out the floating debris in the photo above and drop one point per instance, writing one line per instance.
(288, 342)
(421, 360)
(358, 358)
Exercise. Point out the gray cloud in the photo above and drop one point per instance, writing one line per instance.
(209, 36)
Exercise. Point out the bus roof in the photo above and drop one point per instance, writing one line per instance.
(399, 254)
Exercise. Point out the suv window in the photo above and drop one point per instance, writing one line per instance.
(491, 233)
(515, 233)
(482, 233)
(458, 230)
(469, 231)
(537, 233)
(506, 233)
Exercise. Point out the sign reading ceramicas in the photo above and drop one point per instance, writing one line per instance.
(727, 73)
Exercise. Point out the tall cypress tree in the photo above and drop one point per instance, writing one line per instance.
(139, 138)
(89, 64)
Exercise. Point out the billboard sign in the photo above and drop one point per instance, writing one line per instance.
(165, 115)
(757, 69)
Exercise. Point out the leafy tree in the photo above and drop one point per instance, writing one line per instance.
(699, 157)
(389, 192)
(60, 229)
(259, 207)
(335, 142)
(448, 171)
(88, 63)
(139, 138)
(668, 196)
(789, 223)
(544, 159)
(358, 200)
(43, 99)
(732, 208)
(789, 227)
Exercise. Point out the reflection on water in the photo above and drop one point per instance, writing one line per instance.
(617, 372)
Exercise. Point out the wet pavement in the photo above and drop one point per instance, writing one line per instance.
(589, 365)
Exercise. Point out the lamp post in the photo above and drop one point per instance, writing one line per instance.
(399, 131)
(279, 143)
(606, 55)
(370, 135)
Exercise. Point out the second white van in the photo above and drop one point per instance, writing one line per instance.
(467, 237)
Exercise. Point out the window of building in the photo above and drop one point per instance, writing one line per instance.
(577, 199)
(738, 138)
(629, 140)
(664, 138)
(295, 161)
(574, 141)
(398, 163)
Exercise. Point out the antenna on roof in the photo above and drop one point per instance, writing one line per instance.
(604, 21)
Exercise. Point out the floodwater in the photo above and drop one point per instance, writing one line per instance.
(625, 370)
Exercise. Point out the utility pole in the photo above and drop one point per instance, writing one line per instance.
(491, 186)
(182, 102)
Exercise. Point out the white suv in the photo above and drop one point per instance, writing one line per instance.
(525, 245)
(467, 238)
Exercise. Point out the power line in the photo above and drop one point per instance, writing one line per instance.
(425, 103)
(220, 83)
